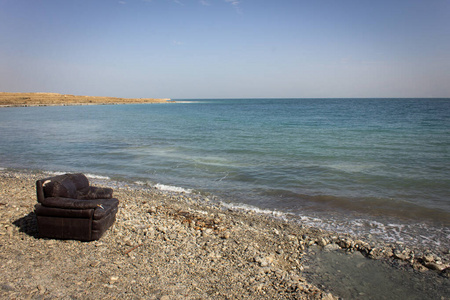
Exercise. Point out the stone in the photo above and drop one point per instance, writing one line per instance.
(446, 272)
(435, 266)
(322, 242)
(94, 264)
(428, 258)
(328, 296)
(400, 255)
(8, 287)
(41, 289)
(419, 267)
(331, 247)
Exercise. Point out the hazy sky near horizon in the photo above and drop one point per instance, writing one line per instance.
(226, 48)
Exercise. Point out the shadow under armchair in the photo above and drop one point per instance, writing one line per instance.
(28, 224)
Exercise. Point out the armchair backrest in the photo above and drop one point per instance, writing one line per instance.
(65, 186)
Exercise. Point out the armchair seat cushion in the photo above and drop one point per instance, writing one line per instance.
(69, 208)
(62, 212)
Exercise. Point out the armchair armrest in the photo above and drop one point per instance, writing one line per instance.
(93, 192)
(74, 203)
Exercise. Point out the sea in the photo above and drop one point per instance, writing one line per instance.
(375, 168)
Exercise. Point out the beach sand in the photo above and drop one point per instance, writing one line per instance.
(167, 245)
(46, 99)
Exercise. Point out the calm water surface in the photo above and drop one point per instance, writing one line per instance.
(376, 167)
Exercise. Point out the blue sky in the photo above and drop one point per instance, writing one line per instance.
(226, 48)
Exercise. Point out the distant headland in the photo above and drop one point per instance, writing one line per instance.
(48, 99)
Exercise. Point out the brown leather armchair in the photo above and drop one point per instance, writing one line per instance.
(69, 208)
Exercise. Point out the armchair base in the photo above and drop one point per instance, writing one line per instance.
(64, 228)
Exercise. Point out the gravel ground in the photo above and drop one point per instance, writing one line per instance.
(167, 245)
(162, 246)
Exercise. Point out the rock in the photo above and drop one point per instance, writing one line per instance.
(10, 231)
(344, 243)
(208, 231)
(419, 267)
(331, 247)
(94, 264)
(435, 266)
(292, 237)
(8, 287)
(263, 261)
(400, 255)
(322, 242)
(41, 289)
(127, 241)
(376, 253)
(388, 252)
(161, 229)
(428, 258)
(328, 296)
(446, 272)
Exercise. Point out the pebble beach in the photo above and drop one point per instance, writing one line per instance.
(172, 245)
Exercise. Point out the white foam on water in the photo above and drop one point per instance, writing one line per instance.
(55, 173)
(171, 188)
(367, 229)
(89, 175)
(353, 167)
(246, 207)
(94, 176)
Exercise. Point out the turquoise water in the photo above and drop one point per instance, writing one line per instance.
(375, 167)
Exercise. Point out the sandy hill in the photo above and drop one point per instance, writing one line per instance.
(32, 99)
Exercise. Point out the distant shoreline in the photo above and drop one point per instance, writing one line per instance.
(55, 99)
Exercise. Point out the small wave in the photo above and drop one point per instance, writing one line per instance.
(55, 173)
(171, 188)
(255, 209)
(411, 234)
(89, 175)
(353, 168)
(94, 176)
